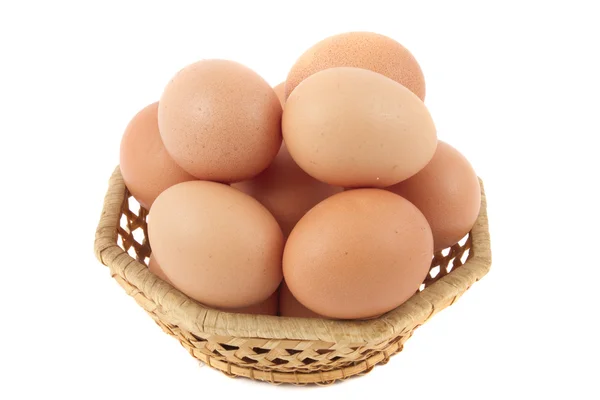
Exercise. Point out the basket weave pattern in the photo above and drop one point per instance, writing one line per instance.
(276, 349)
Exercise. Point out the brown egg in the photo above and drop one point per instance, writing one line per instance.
(365, 50)
(358, 254)
(220, 121)
(157, 270)
(290, 307)
(356, 128)
(447, 192)
(146, 166)
(267, 307)
(286, 190)
(280, 92)
(216, 244)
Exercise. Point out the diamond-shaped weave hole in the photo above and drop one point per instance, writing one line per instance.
(308, 361)
(134, 206)
(465, 256)
(132, 252)
(279, 361)
(335, 358)
(123, 222)
(198, 338)
(249, 360)
(228, 347)
(258, 350)
(216, 353)
(292, 351)
(324, 351)
(138, 235)
(434, 271)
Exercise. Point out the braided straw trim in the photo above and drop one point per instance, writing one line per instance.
(279, 349)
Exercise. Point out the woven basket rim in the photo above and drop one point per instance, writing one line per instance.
(178, 309)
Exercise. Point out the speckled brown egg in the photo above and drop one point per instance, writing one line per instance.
(220, 121)
(216, 244)
(353, 127)
(146, 166)
(358, 254)
(447, 192)
(289, 306)
(286, 190)
(365, 50)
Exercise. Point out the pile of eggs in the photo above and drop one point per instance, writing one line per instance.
(325, 196)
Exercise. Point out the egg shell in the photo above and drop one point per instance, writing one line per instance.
(216, 244)
(286, 190)
(356, 128)
(358, 254)
(220, 121)
(146, 166)
(365, 50)
(289, 306)
(447, 192)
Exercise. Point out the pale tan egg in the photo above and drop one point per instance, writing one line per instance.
(447, 192)
(146, 166)
(216, 244)
(286, 190)
(220, 121)
(353, 127)
(365, 50)
(358, 254)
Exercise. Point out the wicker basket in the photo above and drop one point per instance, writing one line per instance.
(277, 349)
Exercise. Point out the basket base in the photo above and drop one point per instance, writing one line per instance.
(280, 375)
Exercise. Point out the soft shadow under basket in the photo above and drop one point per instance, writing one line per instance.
(277, 349)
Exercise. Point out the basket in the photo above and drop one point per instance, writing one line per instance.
(279, 349)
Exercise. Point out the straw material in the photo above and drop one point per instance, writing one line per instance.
(278, 349)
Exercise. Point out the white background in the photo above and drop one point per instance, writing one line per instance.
(514, 87)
